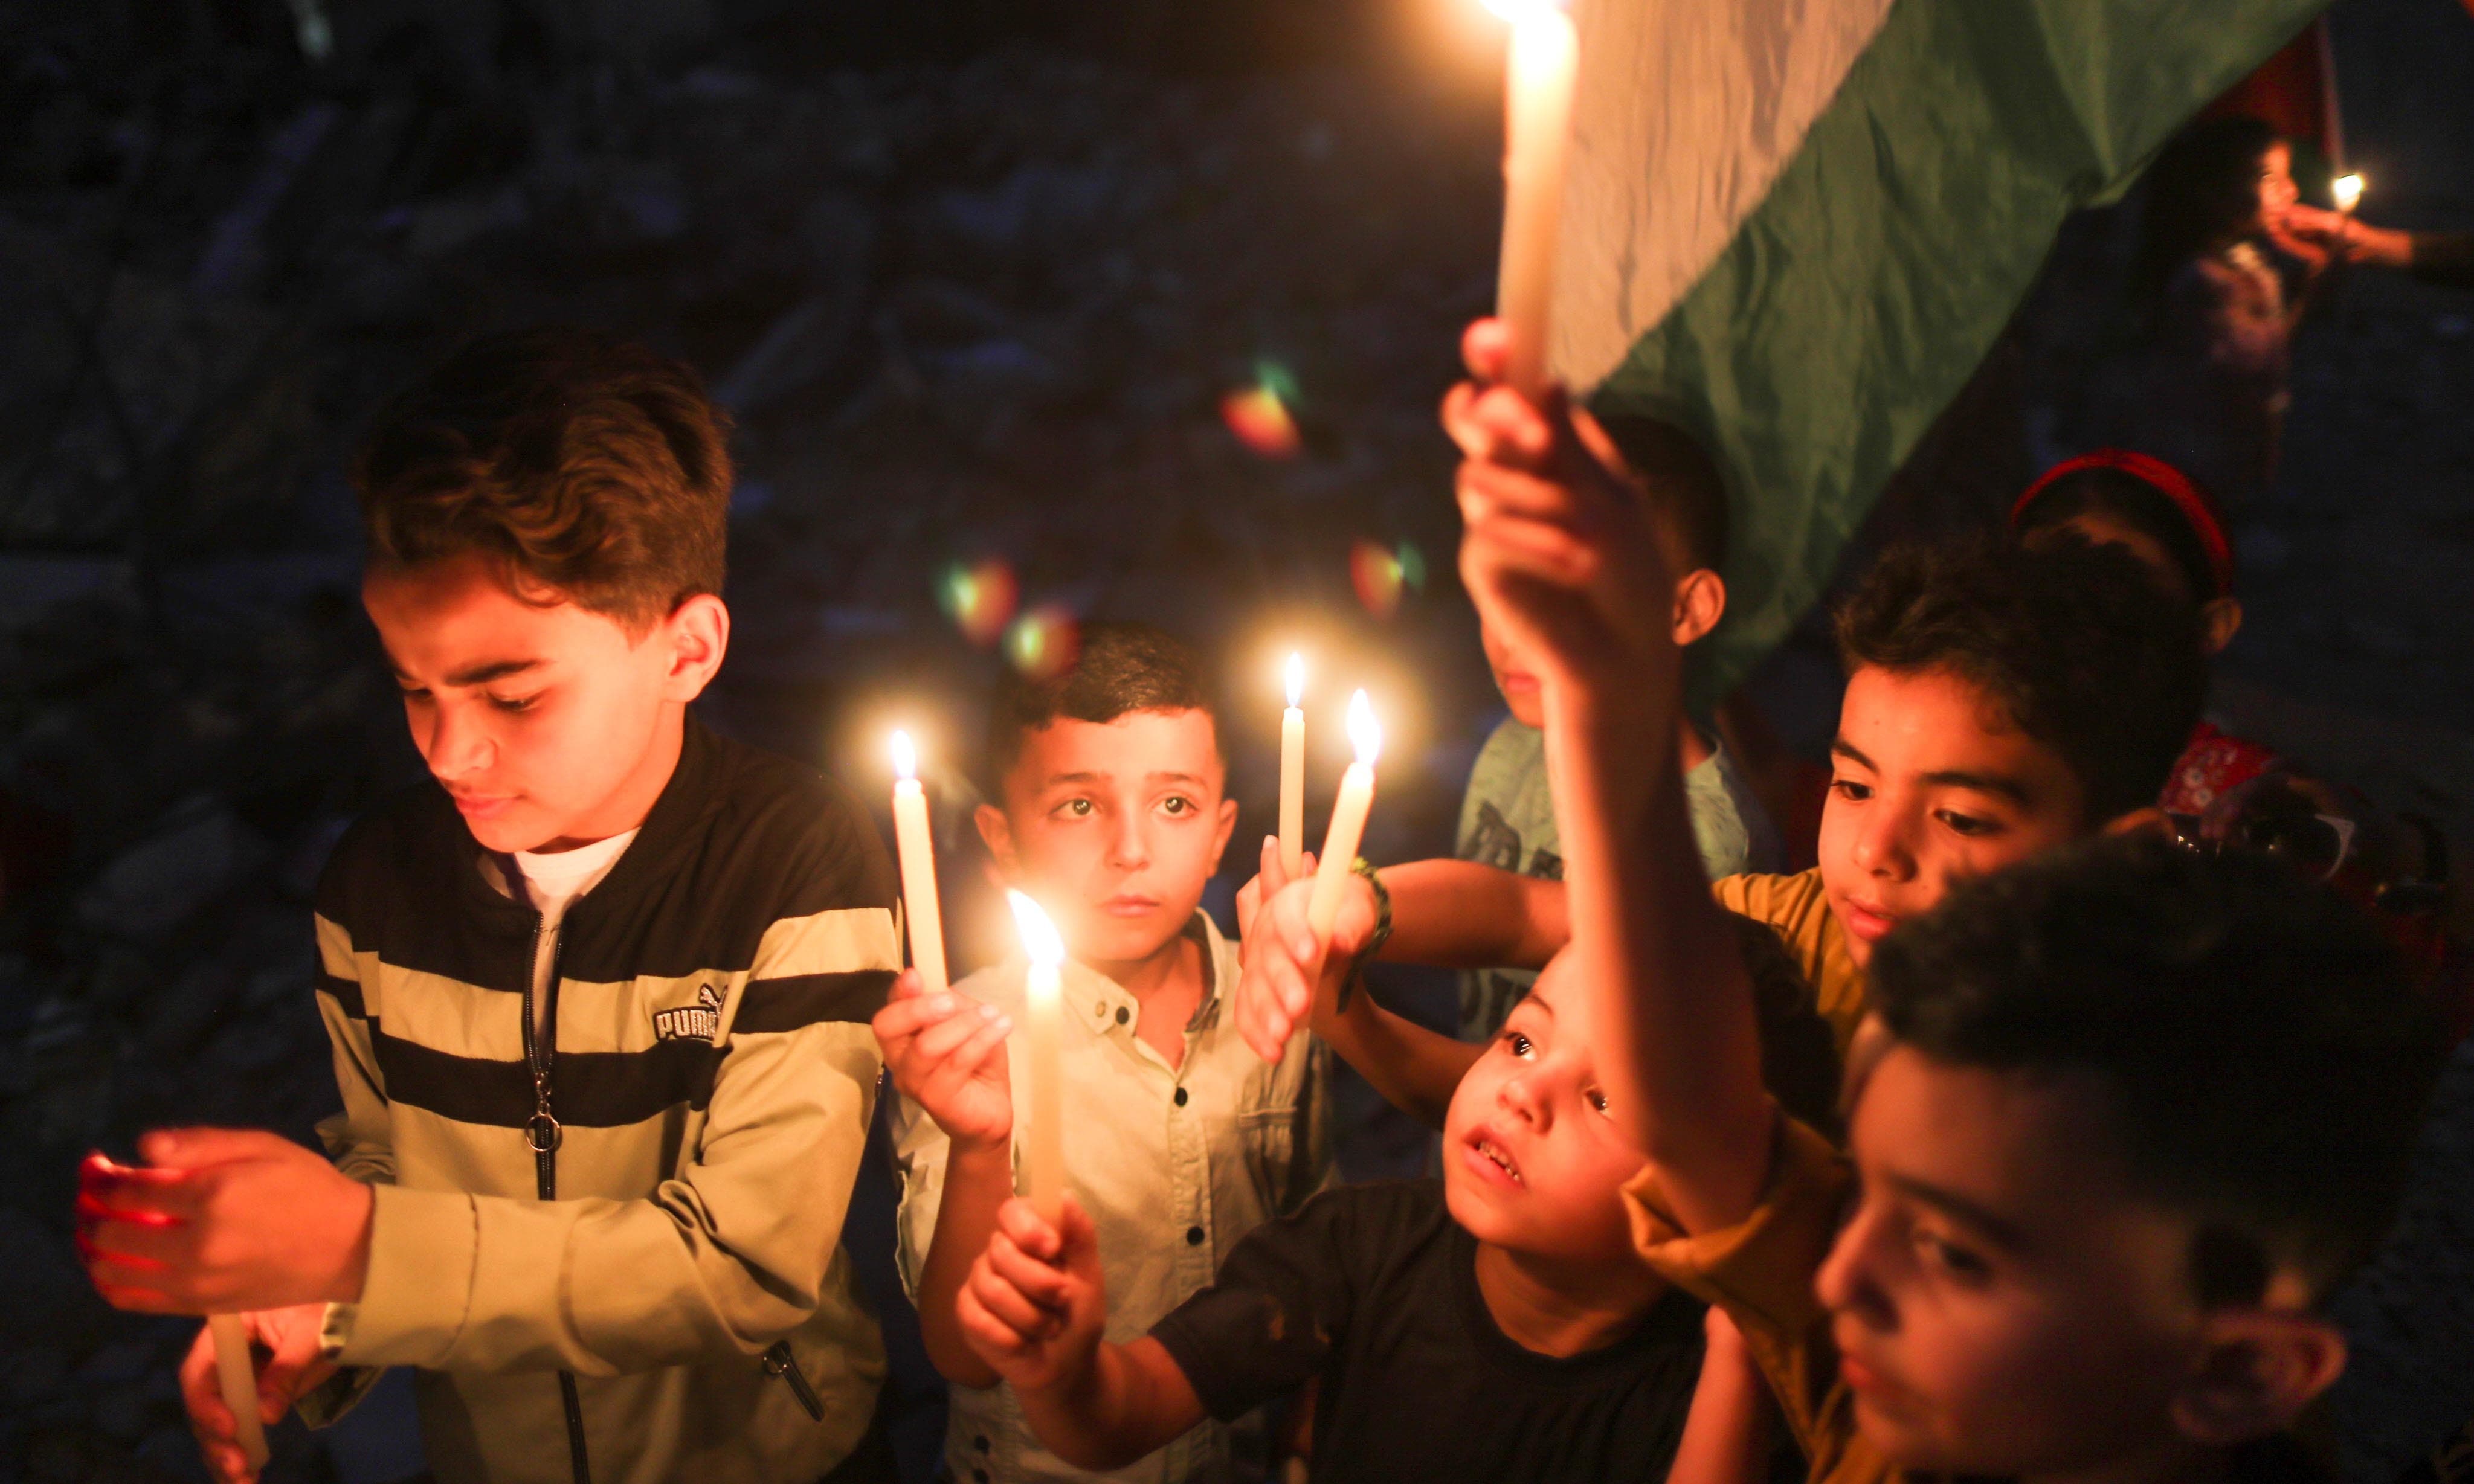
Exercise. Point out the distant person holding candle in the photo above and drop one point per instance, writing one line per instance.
(1508, 813)
(598, 989)
(1110, 814)
(2227, 267)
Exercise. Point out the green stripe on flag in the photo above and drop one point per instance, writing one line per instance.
(1854, 301)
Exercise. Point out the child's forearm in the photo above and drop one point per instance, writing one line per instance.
(1727, 1434)
(1414, 1069)
(977, 1183)
(1131, 1401)
(1674, 1025)
(1458, 914)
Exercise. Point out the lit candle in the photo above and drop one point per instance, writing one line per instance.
(918, 856)
(1292, 772)
(2348, 191)
(1348, 820)
(1043, 1146)
(1537, 132)
(239, 1378)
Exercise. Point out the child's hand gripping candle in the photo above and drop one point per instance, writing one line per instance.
(912, 842)
(1043, 1149)
(1537, 132)
(238, 1377)
(1293, 771)
(1348, 820)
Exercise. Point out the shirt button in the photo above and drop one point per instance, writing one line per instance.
(1124, 1014)
(1180, 1097)
(1194, 1237)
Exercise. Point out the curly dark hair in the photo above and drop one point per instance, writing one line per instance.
(2074, 643)
(2263, 1060)
(1689, 494)
(1119, 669)
(584, 464)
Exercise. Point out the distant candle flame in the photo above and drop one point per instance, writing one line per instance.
(1365, 734)
(906, 758)
(1040, 937)
(1296, 679)
(2348, 190)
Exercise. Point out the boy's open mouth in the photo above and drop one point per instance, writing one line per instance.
(1490, 1157)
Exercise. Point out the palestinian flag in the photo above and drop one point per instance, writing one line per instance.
(1795, 226)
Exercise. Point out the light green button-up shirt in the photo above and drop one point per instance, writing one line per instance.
(1174, 1164)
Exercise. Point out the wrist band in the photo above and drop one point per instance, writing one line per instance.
(1382, 934)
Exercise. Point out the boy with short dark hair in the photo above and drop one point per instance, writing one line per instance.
(2124, 1115)
(1111, 813)
(1508, 813)
(598, 989)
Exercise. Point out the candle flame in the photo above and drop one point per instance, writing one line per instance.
(1519, 11)
(906, 758)
(1040, 937)
(1365, 734)
(1296, 679)
(2348, 190)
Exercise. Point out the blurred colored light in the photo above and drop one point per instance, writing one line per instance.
(1375, 573)
(1043, 642)
(980, 598)
(1413, 567)
(1261, 422)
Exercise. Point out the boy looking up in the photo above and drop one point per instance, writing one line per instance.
(2123, 1116)
(1179, 1140)
(1999, 701)
(597, 990)
(1507, 814)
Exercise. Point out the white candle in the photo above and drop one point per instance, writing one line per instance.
(1292, 772)
(2348, 191)
(1043, 1143)
(1537, 132)
(918, 856)
(1348, 820)
(238, 1375)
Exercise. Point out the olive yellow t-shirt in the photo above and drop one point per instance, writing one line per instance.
(1797, 908)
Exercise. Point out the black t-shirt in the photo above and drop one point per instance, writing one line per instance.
(1373, 1288)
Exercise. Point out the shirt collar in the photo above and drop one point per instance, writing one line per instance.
(1096, 999)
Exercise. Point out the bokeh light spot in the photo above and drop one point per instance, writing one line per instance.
(1374, 571)
(1043, 642)
(980, 598)
(1261, 415)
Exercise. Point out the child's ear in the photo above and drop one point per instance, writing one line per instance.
(1700, 602)
(2219, 620)
(1220, 835)
(997, 832)
(698, 633)
(2258, 1370)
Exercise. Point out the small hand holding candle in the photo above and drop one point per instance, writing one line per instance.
(1043, 1143)
(1347, 819)
(1538, 133)
(918, 856)
(1292, 769)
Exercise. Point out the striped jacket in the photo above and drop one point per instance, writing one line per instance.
(682, 1305)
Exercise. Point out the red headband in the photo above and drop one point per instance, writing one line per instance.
(2166, 480)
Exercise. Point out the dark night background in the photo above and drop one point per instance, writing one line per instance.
(973, 274)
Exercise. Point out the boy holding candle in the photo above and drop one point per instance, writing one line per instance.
(1507, 814)
(597, 990)
(1178, 1139)
(2122, 1116)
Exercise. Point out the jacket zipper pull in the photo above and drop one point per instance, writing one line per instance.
(779, 1361)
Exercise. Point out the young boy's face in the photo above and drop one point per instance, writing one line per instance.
(541, 722)
(1929, 784)
(1115, 827)
(2003, 1302)
(1532, 1162)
